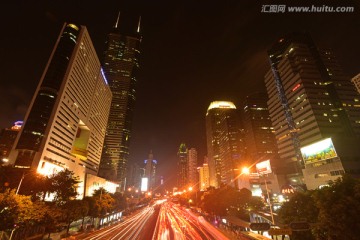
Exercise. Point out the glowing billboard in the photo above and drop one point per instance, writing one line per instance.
(263, 167)
(318, 151)
(144, 184)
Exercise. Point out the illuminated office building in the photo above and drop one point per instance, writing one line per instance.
(121, 64)
(258, 132)
(150, 171)
(192, 165)
(7, 139)
(223, 142)
(183, 167)
(356, 81)
(64, 127)
(311, 100)
(204, 176)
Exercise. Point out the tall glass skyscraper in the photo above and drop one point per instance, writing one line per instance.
(121, 65)
(223, 142)
(315, 111)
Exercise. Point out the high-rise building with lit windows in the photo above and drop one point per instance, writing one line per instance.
(204, 176)
(183, 167)
(192, 165)
(7, 139)
(310, 102)
(223, 135)
(150, 171)
(356, 81)
(65, 124)
(121, 65)
(258, 132)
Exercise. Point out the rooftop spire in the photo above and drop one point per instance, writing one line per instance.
(117, 20)
(138, 28)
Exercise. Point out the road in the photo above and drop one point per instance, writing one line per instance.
(160, 221)
(136, 226)
(175, 222)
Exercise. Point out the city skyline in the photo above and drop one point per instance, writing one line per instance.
(187, 51)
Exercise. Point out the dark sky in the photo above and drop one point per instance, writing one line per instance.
(193, 52)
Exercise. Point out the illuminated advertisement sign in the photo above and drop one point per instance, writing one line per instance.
(144, 184)
(318, 151)
(263, 167)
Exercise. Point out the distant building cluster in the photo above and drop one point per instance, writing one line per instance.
(304, 130)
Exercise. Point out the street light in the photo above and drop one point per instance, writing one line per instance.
(246, 171)
(22, 178)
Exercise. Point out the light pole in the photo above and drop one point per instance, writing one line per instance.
(268, 197)
(246, 171)
(22, 178)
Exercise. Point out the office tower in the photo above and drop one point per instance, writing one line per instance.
(134, 175)
(204, 176)
(65, 124)
(121, 65)
(183, 167)
(223, 142)
(7, 139)
(150, 171)
(313, 107)
(356, 81)
(192, 165)
(259, 135)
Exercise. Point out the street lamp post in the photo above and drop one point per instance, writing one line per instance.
(18, 188)
(246, 171)
(268, 197)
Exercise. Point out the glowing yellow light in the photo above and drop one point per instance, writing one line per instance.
(221, 104)
(245, 170)
(73, 26)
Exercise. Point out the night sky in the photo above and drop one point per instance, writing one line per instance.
(193, 52)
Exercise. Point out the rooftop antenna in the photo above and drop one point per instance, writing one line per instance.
(117, 20)
(138, 28)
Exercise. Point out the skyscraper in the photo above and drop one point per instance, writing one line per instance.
(150, 171)
(204, 176)
(356, 81)
(121, 64)
(223, 142)
(310, 102)
(258, 131)
(7, 139)
(65, 124)
(183, 167)
(192, 165)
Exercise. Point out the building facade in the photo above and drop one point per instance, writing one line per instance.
(192, 165)
(121, 65)
(7, 139)
(258, 131)
(356, 81)
(310, 100)
(183, 167)
(65, 124)
(223, 142)
(204, 176)
(150, 171)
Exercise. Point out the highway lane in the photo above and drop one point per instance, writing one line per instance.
(131, 228)
(175, 222)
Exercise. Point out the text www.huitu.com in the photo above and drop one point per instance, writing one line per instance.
(306, 9)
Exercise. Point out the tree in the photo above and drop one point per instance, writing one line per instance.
(120, 201)
(74, 210)
(301, 207)
(339, 210)
(15, 210)
(64, 185)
